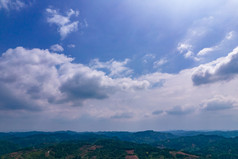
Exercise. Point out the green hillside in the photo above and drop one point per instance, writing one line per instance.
(210, 146)
(101, 149)
(129, 145)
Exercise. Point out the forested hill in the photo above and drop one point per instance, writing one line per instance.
(146, 144)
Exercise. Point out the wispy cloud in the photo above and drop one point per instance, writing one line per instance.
(116, 68)
(71, 46)
(57, 48)
(221, 46)
(159, 62)
(187, 50)
(12, 4)
(64, 22)
(205, 51)
(148, 58)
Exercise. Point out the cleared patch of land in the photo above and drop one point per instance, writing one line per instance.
(131, 155)
(179, 153)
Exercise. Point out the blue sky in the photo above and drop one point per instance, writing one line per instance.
(118, 65)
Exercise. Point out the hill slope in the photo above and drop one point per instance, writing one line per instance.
(101, 149)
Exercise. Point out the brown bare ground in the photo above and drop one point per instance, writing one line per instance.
(131, 157)
(189, 156)
(70, 157)
(15, 156)
(86, 148)
(94, 147)
(130, 152)
(47, 154)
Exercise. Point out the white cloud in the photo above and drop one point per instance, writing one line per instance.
(187, 50)
(184, 47)
(72, 12)
(12, 4)
(218, 103)
(57, 48)
(65, 25)
(210, 35)
(116, 68)
(44, 79)
(222, 46)
(197, 32)
(205, 51)
(222, 69)
(148, 58)
(71, 46)
(85, 23)
(188, 54)
(188, 46)
(230, 35)
(201, 27)
(35, 79)
(160, 62)
(68, 28)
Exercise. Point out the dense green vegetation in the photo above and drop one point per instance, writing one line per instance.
(148, 137)
(38, 139)
(227, 134)
(100, 149)
(103, 145)
(210, 146)
(15, 141)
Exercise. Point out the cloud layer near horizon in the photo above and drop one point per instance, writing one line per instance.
(39, 80)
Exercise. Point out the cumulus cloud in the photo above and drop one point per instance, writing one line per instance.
(31, 74)
(11, 100)
(224, 68)
(218, 103)
(64, 23)
(57, 48)
(37, 78)
(12, 4)
(81, 82)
